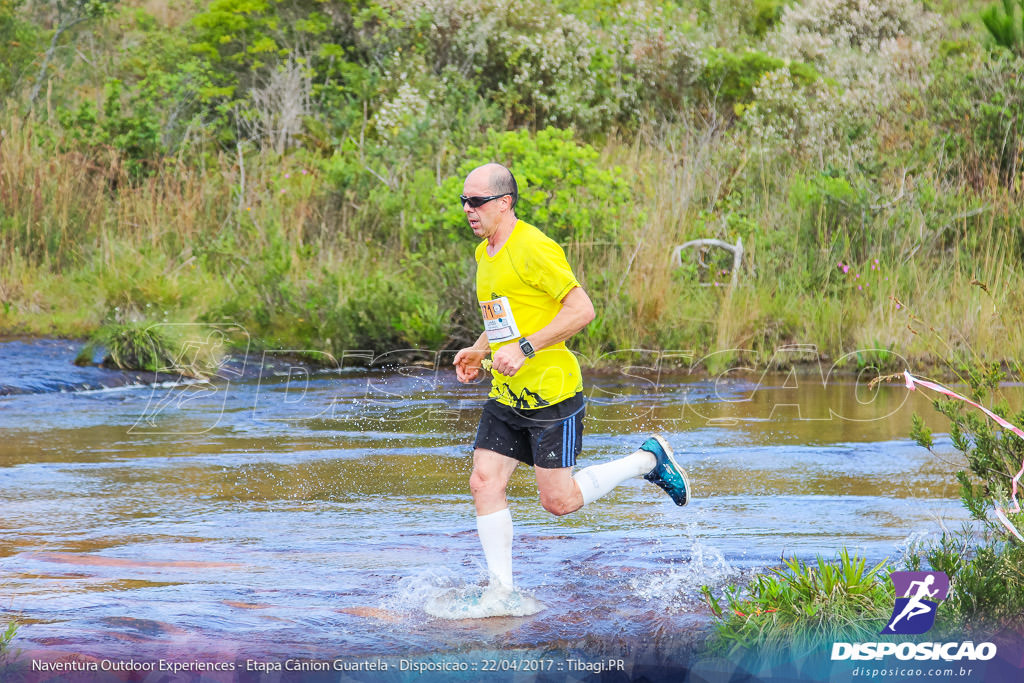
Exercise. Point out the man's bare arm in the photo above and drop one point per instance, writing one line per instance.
(576, 312)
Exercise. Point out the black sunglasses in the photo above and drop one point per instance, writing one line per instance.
(477, 202)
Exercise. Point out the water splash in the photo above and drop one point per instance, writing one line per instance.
(914, 546)
(443, 594)
(679, 588)
(479, 602)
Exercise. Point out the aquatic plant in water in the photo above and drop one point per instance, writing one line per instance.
(5, 642)
(146, 346)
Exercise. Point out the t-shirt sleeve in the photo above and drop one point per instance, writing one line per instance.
(547, 269)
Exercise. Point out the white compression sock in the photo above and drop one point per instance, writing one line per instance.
(597, 480)
(495, 532)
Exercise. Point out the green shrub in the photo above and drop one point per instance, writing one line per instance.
(731, 77)
(368, 301)
(240, 39)
(20, 40)
(993, 455)
(386, 314)
(987, 582)
(789, 115)
(135, 136)
(763, 15)
(832, 209)
(978, 108)
(237, 47)
(546, 68)
(800, 607)
(564, 188)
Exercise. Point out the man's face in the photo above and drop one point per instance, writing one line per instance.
(484, 219)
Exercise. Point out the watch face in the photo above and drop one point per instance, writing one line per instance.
(527, 348)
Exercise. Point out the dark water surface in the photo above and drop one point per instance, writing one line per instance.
(295, 515)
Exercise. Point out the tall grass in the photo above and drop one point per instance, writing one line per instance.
(798, 607)
(6, 636)
(790, 291)
(254, 238)
(268, 242)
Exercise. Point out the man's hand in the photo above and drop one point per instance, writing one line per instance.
(467, 363)
(508, 359)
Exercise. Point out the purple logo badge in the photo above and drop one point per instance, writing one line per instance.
(917, 597)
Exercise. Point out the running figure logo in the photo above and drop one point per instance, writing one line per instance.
(921, 592)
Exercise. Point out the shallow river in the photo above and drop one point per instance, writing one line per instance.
(280, 514)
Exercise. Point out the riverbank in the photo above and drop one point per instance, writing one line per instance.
(213, 355)
(331, 294)
(879, 216)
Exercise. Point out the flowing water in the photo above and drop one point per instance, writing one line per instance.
(282, 514)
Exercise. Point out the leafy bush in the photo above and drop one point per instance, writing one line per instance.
(134, 136)
(832, 209)
(987, 584)
(563, 188)
(799, 607)
(388, 314)
(869, 54)
(546, 69)
(371, 302)
(732, 77)
(789, 115)
(20, 39)
(6, 637)
(979, 106)
(241, 48)
(763, 16)
(542, 64)
(587, 66)
(658, 59)
(993, 455)
(813, 27)
(241, 39)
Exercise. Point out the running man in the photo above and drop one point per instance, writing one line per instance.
(915, 606)
(531, 304)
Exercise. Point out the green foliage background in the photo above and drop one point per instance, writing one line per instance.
(293, 166)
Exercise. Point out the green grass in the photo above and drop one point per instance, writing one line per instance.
(345, 240)
(153, 347)
(800, 606)
(6, 637)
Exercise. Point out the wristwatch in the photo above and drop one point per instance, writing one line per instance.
(527, 348)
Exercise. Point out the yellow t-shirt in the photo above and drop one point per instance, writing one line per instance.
(520, 289)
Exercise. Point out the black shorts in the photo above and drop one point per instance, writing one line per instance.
(550, 437)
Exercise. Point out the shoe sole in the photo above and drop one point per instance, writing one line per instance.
(670, 454)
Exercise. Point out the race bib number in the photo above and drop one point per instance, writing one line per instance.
(499, 323)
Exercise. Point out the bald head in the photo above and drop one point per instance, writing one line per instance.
(498, 179)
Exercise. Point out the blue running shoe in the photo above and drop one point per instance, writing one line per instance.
(667, 473)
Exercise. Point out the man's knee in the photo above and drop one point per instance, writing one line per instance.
(477, 482)
(559, 504)
(559, 493)
(483, 484)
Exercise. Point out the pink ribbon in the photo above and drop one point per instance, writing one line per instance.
(1000, 513)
